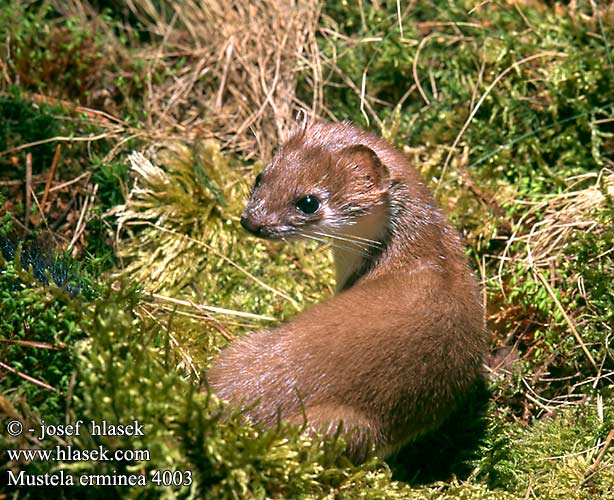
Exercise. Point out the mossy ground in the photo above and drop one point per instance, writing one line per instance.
(506, 108)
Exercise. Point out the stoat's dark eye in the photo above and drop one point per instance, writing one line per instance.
(258, 180)
(308, 204)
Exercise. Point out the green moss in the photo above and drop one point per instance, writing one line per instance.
(123, 377)
(185, 241)
(50, 57)
(38, 326)
(553, 458)
(545, 120)
(23, 123)
(591, 258)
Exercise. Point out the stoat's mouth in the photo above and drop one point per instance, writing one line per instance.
(273, 233)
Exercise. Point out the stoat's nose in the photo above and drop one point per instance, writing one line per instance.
(250, 225)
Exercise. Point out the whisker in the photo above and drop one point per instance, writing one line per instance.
(334, 244)
(349, 249)
(356, 237)
(362, 238)
(350, 239)
(311, 237)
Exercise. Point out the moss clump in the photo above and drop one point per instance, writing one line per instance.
(591, 266)
(39, 325)
(68, 58)
(22, 123)
(184, 241)
(33, 38)
(556, 458)
(123, 377)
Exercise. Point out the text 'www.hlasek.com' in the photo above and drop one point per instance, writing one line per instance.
(18, 475)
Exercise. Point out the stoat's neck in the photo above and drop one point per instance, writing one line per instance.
(352, 256)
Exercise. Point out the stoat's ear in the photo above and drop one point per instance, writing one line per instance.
(366, 166)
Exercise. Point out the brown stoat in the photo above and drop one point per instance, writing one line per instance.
(393, 352)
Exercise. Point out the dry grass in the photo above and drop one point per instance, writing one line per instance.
(229, 70)
(553, 221)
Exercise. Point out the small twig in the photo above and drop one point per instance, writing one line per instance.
(29, 343)
(100, 115)
(28, 189)
(529, 490)
(220, 93)
(82, 223)
(434, 90)
(36, 381)
(54, 139)
(592, 469)
(400, 19)
(208, 318)
(363, 95)
(552, 458)
(54, 163)
(569, 321)
(415, 68)
(547, 404)
(203, 307)
(538, 403)
(70, 182)
(363, 20)
(5, 72)
(427, 25)
(40, 211)
(524, 17)
(71, 388)
(367, 105)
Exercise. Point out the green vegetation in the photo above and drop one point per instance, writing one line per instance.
(39, 325)
(506, 108)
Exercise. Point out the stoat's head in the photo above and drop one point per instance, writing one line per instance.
(315, 189)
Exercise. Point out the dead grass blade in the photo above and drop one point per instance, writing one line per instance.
(243, 62)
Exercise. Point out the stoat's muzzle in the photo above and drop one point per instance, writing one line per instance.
(251, 224)
(261, 225)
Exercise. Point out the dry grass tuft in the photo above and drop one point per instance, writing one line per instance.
(228, 71)
(553, 221)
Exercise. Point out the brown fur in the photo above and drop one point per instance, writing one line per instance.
(392, 354)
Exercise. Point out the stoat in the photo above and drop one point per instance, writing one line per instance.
(394, 351)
